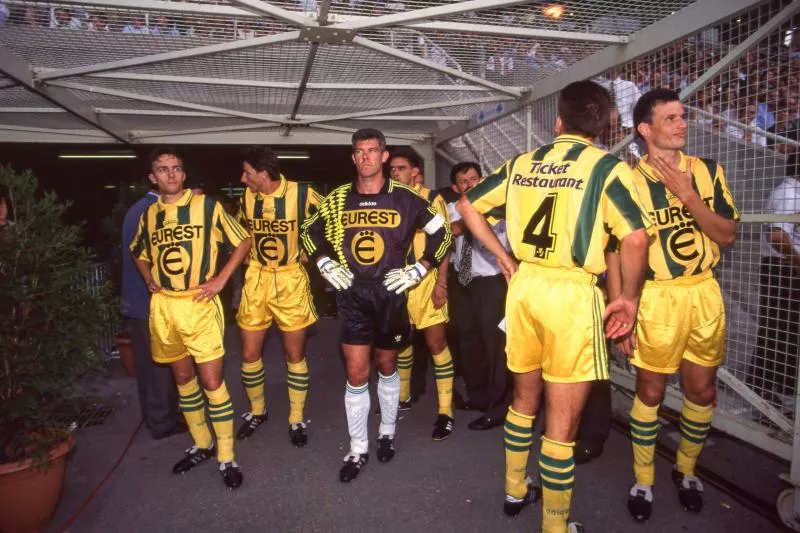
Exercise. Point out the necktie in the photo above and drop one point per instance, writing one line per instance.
(465, 261)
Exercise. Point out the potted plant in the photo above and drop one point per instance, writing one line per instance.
(51, 322)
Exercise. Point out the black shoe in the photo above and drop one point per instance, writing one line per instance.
(640, 502)
(513, 506)
(585, 453)
(194, 456)
(353, 463)
(690, 491)
(575, 527)
(231, 474)
(251, 422)
(298, 435)
(485, 422)
(385, 448)
(442, 427)
(405, 405)
(179, 428)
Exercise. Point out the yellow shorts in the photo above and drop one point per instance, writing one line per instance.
(554, 321)
(282, 293)
(680, 319)
(420, 303)
(179, 326)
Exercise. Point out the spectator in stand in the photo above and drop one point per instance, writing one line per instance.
(162, 27)
(137, 25)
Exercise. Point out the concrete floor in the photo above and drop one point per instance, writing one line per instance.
(453, 485)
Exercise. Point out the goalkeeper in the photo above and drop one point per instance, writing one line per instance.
(359, 239)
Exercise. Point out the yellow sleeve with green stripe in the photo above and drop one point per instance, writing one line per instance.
(226, 229)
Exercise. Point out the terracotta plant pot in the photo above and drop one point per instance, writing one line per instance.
(126, 354)
(29, 496)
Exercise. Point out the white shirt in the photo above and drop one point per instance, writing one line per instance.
(784, 200)
(626, 94)
(484, 263)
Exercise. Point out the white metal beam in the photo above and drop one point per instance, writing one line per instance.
(391, 137)
(136, 76)
(20, 71)
(446, 10)
(276, 12)
(195, 8)
(392, 52)
(403, 109)
(688, 21)
(58, 131)
(520, 32)
(168, 101)
(309, 136)
(199, 51)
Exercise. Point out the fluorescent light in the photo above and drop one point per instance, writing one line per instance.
(110, 154)
(109, 186)
(293, 155)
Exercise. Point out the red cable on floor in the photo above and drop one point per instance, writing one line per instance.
(92, 494)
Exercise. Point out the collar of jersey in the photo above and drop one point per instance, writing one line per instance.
(184, 200)
(647, 170)
(384, 190)
(566, 137)
(279, 192)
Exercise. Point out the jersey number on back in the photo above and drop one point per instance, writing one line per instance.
(538, 233)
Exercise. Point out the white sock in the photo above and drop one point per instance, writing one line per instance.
(356, 406)
(389, 397)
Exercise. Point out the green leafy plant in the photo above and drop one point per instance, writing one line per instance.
(51, 320)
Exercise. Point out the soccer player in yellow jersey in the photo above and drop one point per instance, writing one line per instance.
(175, 249)
(681, 320)
(427, 302)
(276, 285)
(562, 204)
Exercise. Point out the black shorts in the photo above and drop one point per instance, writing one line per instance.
(372, 315)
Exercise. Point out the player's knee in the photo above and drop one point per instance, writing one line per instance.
(358, 377)
(212, 383)
(438, 345)
(700, 395)
(650, 394)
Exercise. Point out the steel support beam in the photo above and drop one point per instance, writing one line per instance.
(276, 12)
(520, 32)
(199, 51)
(687, 21)
(393, 52)
(21, 72)
(193, 8)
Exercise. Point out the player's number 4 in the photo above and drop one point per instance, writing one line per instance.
(538, 233)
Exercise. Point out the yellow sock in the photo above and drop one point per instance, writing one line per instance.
(297, 379)
(253, 381)
(695, 423)
(644, 433)
(444, 371)
(518, 437)
(405, 362)
(220, 411)
(557, 471)
(193, 406)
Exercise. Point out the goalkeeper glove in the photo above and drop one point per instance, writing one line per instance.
(401, 279)
(337, 275)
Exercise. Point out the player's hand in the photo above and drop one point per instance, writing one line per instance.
(507, 265)
(337, 275)
(619, 317)
(153, 287)
(439, 296)
(627, 343)
(402, 279)
(209, 289)
(679, 183)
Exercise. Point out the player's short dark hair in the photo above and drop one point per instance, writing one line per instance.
(161, 151)
(263, 159)
(5, 196)
(460, 168)
(365, 134)
(409, 155)
(643, 110)
(584, 108)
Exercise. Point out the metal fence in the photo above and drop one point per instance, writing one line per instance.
(92, 278)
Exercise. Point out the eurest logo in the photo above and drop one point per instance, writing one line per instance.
(366, 218)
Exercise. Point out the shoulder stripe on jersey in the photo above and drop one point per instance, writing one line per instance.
(621, 197)
(539, 154)
(588, 211)
(208, 226)
(302, 198)
(573, 153)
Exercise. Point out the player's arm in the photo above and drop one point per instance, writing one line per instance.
(226, 230)
(782, 242)
(439, 296)
(313, 241)
(718, 228)
(140, 250)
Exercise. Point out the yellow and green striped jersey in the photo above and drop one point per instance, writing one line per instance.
(182, 240)
(562, 203)
(680, 247)
(418, 246)
(274, 221)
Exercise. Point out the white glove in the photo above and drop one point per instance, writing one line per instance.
(401, 279)
(337, 275)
